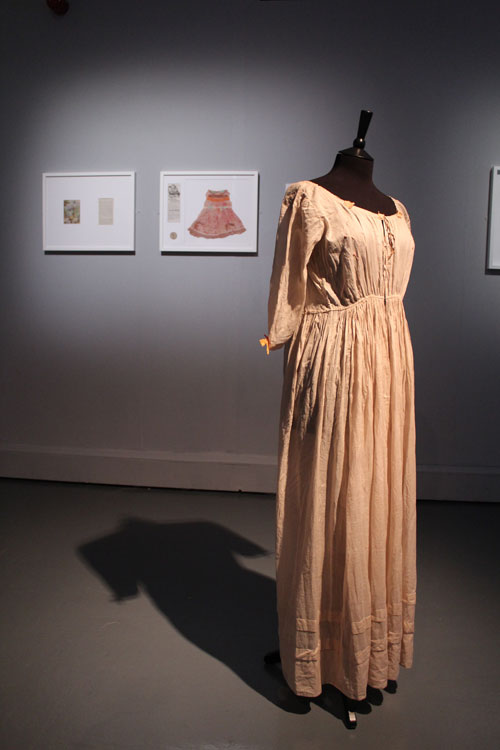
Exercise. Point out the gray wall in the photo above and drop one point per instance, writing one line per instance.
(146, 369)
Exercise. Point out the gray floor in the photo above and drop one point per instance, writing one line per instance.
(137, 620)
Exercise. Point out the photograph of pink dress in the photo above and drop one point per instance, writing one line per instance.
(217, 218)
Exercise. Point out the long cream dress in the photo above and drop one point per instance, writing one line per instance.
(346, 504)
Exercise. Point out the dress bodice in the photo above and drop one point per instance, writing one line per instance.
(331, 254)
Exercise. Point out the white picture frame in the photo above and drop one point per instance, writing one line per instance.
(89, 212)
(493, 253)
(209, 212)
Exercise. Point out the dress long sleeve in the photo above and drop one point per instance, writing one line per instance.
(299, 230)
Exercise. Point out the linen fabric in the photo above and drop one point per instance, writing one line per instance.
(346, 500)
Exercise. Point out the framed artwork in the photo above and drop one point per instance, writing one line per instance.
(89, 212)
(208, 212)
(493, 257)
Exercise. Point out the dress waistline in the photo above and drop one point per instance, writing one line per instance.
(341, 308)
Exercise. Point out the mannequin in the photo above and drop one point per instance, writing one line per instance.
(350, 179)
(351, 176)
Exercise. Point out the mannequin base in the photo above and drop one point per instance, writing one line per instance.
(350, 718)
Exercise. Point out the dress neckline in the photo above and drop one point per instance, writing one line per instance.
(352, 204)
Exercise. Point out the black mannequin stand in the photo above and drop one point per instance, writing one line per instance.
(351, 175)
(350, 719)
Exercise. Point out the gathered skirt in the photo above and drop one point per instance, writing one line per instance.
(346, 502)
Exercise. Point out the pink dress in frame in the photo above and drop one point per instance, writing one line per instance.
(217, 218)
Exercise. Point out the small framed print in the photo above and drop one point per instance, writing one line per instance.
(89, 212)
(208, 212)
(493, 256)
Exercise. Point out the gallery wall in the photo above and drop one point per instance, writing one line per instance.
(146, 369)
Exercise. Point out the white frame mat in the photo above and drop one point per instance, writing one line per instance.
(493, 261)
(183, 204)
(89, 212)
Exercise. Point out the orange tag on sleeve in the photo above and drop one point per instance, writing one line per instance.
(265, 342)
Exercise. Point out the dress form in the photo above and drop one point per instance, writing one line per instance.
(351, 180)
(351, 175)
